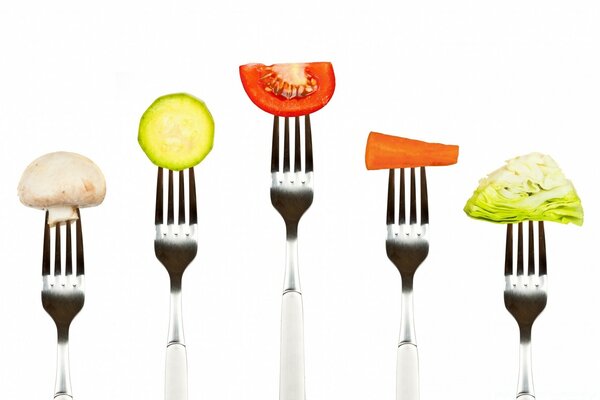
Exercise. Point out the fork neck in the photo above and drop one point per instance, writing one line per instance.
(62, 384)
(62, 333)
(175, 282)
(291, 278)
(407, 282)
(525, 382)
(291, 230)
(407, 324)
(525, 333)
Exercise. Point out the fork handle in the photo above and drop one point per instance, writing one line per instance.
(176, 387)
(63, 397)
(291, 363)
(525, 397)
(407, 372)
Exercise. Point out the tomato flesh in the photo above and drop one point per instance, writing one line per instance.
(289, 90)
(288, 81)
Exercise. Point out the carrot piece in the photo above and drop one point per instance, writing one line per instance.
(386, 152)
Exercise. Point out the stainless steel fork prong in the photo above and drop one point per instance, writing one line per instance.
(170, 211)
(413, 197)
(176, 246)
(391, 199)
(407, 247)
(192, 197)
(46, 249)
(181, 197)
(525, 295)
(508, 254)
(308, 148)
(158, 215)
(57, 257)
(292, 195)
(297, 150)
(69, 259)
(543, 268)
(62, 295)
(424, 198)
(275, 146)
(520, 267)
(401, 201)
(79, 246)
(286, 145)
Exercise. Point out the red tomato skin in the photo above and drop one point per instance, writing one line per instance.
(250, 75)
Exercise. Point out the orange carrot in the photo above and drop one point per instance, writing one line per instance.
(386, 151)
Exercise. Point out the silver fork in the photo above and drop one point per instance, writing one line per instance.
(292, 195)
(176, 246)
(407, 246)
(525, 297)
(63, 295)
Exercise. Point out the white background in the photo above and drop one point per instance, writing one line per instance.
(498, 78)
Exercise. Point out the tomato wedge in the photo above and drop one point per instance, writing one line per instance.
(289, 90)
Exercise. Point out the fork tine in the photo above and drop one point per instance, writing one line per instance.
(542, 269)
(402, 206)
(413, 197)
(308, 166)
(57, 250)
(520, 250)
(46, 251)
(390, 198)
(79, 244)
(181, 213)
(170, 211)
(508, 258)
(275, 146)
(192, 196)
(297, 155)
(424, 200)
(286, 145)
(68, 252)
(531, 256)
(158, 215)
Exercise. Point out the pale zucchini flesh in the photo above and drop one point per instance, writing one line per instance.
(176, 132)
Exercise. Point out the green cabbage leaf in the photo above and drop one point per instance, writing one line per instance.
(527, 188)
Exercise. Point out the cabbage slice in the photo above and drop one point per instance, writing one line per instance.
(527, 188)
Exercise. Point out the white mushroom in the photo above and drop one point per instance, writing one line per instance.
(61, 182)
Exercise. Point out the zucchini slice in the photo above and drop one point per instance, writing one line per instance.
(176, 131)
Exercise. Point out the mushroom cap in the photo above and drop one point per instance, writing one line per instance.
(61, 180)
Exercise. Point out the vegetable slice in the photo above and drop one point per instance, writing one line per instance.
(61, 182)
(527, 188)
(289, 90)
(386, 151)
(176, 131)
